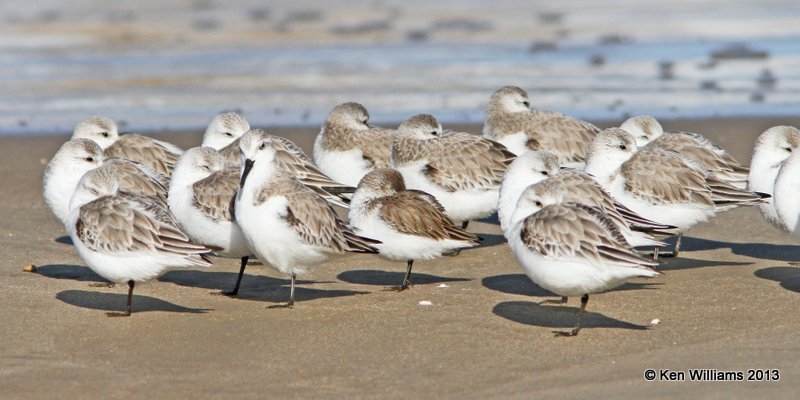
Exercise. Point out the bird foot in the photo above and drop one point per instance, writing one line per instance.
(562, 300)
(287, 305)
(225, 293)
(571, 333)
(108, 285)
(398, 288)
(118, 314)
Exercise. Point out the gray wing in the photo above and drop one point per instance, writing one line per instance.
(214, 195)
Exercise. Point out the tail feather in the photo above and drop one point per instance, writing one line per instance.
(360, 244)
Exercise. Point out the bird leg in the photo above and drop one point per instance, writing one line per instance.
(406, 279)
(562, 300)
(235, 290)
(290, 303)
(464, 225)
(127, 312)
(574, 332)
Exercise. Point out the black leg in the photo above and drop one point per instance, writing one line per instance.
(235, 290)
(465, 224)
(127, 312)
(407, 279)
(574, 332)
(562, 300)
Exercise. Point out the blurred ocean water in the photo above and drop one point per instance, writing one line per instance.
(173, 66)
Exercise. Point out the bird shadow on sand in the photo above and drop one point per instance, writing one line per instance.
(787, 277)
(386, 278)
(767, 251)
(253, 287)
(560, 317)
(64, 240)
(73, 272)
(522, 285)
(116, 302)
(679, 263)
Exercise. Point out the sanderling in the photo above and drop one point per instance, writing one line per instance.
(572, 250)
(410, 224)
(224, 129)
(772, 147)
(233, 155)
(285, 222)
(127, 238)
(79, 156)
(511, 121)
(787, 194)
(660, 184)
(347, 147)
(527, 169)
(158, 155)
(201, 196)
(647, 131)
(463, 171)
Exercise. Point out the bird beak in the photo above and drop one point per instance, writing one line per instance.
(248, 165)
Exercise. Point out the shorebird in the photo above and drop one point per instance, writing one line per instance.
(571, 249)
(410, 224)
(224, 129)
(201, 198)
(127, 238)
(463, 171)
(286, 223)
(772, 148)
(511, 121)
(660, 184)
(158, 155)
(79, 156)
(648, 132)
(347, 147)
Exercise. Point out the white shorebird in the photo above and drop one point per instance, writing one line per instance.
(787, 194)
(660, 184)
(461, 170)
(571, 249)
(158, 155)
(648, 132)
(127, 238)
(285, 222)
(201, 196)
(224, 129)
(296, 157)
(347, 147)
(410, 224)
(79, 156)
(537, 166)
(511, 121)
(772, 148)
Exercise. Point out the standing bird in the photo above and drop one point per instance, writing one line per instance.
(527, 169)
(224, 129)
(201, 197)
(511, 121)
(660, 184)
(127, 238)
(158, 155)
(772, 148)
(572, 249)
(347, 147)
(648, 132)
(410, 224)
(285, 222)
(79, 156)
(461, 170)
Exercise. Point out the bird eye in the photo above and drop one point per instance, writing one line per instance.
(104, 134)
(228, 134)
(262, 146)
(623, 147)
(545, 173)
(433, 133)
(364, 121)
(538, 204)
(789, 149)
(89, 159)
(526, 103)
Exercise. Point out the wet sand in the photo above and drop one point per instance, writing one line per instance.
(727, 303)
